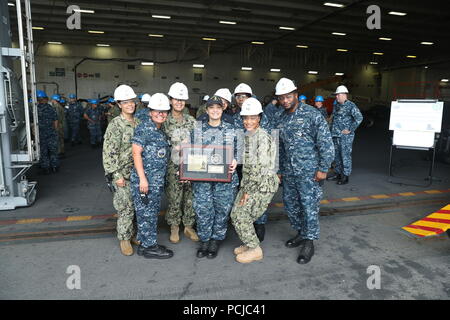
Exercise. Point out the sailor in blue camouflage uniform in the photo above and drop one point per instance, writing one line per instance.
(151, 156)
(93, 115)
(213, 201)
(306, 153)
(318, 103)
(74, 114)
(346, 118)
(48, 136)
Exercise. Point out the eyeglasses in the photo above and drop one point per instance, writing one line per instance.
(288, 97)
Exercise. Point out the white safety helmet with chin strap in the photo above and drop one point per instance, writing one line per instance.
(159, 101)
(284, 85)
(124, 92)
(205, 98)
(178, 91)
(146, 98)
(251, 107)
(224, 93)
(243, 88)
(341, 89)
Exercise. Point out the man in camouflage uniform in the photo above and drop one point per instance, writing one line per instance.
(61, 121)
(259, 182)
(113, 110)
(48, 136)
(346, 119)
(213, 201)
(93, 115)
(150, 155)
(74, 113)
(178, 127)
(306, 153)
(118, 162)
(202, 109)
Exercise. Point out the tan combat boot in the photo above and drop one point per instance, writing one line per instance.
(240, 249)
(174, 236)
(135, 241)
(250, 255)
(126, 248)
(190, 233)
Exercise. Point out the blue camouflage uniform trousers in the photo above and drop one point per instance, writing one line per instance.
(155, 157)
(48, 146)
(213, 202)
(343, 146)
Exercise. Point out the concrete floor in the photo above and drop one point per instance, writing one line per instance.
(352, 239)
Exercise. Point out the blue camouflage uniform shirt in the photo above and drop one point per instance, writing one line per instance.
(345, 116)
(74, 112)
(155, 154)
(46, 116)
(306, 144)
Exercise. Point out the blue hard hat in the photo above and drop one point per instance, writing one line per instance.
(111, 100)
(62, 101)
(56, 97)
(302, 97)
(319, 99)
(72, 96)
(140, 96)
(93, 101)
(41, 94)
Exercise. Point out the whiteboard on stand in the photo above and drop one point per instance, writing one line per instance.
(416, 115)
(415, 139)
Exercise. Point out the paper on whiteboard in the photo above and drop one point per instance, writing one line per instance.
(420, 139)
(417, 116)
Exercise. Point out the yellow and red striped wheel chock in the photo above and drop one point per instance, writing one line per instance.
(436, 223)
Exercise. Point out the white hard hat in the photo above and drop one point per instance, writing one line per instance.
(205, 98)
(284, 85)
(341, 89)
(146, 97)
(178, 91)
(124, 92)
(251, 107)
(224, 93)
(243, 88)
(159, 101)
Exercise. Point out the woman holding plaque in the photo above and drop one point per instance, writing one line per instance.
(259, 182)
(213, 200)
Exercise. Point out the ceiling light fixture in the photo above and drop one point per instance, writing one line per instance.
(444, 80)
(287, 28)
(338, 34)
(96, 31)
(198, 65)
(11, 4)
(426, 43)
(395, 13)
(301, 46)
(342, 50)
(247, 68)
(378, 53)
(227, 22)
(155, 35)
(339, 74)
(411, 57)
(102, 45)
(331, 4)
(313, 72)
(385, 39)
(209, 39)
(84, 11)
(275, 70)
(37, 28)
(160, 17)
(54, 42)
(147, 63)
(257, 42)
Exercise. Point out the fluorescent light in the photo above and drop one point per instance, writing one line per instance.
(313, 72)
(373, 62)
(54, 42)
(444, 80)
(37, 28)
(427, 43)
(198, 65)
(11, 4)
(395, 13)
(227, 22)
(331, 4)
(287, 28)
(338, 34)
(247, 68)
(411, 57)
(302, 46)
(209, 39)
(275, 70)
(102, 45)
(155, 35)
(385, 39)
(257, 42)
(96, 31)
(160, 17)
(84, 11)
(378, 53)
(339, 74)
(426, 67)
(342, 50)
(146, 63)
